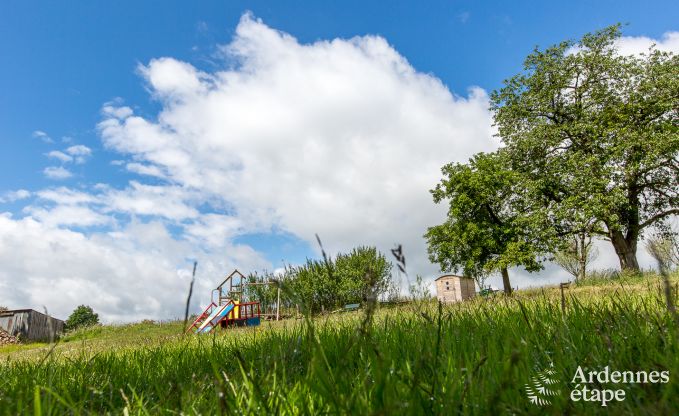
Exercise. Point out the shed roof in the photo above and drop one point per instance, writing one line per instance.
(14, 311)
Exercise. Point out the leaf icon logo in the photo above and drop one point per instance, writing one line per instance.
(540, 389)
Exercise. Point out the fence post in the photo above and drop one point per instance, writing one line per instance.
(563, 297)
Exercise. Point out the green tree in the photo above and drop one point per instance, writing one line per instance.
(362, 273)
(595, 136)
(349, 278)
(577, 256)
(313, 286)
(487, 227)
(82, 316)
(665, 249)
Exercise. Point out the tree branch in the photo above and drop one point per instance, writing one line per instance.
(658, 217)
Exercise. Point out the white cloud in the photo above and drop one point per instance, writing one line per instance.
(636, 45)
(144, 169)
(13, 196)
(158, 201)
(39, 134)
(56, 154)
(632, 45)
(214, 230)
(342, 138)
(68, 215)
(111, 110)
(79, 152)
(66, 196)
(138, 272)
(170, 202)
(57, 172)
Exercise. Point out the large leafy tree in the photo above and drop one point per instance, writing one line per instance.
(489, 227)
(595, 137)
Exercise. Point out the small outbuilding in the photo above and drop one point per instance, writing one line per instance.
(30, 325)
(451, 288)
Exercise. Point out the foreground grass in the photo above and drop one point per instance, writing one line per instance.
(472, 358)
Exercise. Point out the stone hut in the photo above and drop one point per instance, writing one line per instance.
(451, 288)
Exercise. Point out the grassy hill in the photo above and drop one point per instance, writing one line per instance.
(486, 356)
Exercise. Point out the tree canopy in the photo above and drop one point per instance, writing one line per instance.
(594, 135)
(590, 147)
(487, 228)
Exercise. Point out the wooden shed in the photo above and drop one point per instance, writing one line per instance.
(30, 325)
(451, 288)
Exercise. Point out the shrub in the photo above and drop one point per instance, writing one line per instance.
(82, 316)
(348, 278)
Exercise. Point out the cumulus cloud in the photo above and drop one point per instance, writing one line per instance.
(17, 195)
(634, 45)
(66, 196)
(57, 172)
(637, 45)
(79, 152)
(142, 169)
(135, 273)
(39, 134)
(56, 154)
(159, 201)
(68, 215)
(343, 138)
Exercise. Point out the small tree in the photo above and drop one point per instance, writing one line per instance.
(362, 273)
(355, 277)
(665, 249)
(82, 316)
(577, 255)
(420, 290)
(488, 227)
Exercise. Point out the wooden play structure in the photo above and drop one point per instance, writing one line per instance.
(228, 306)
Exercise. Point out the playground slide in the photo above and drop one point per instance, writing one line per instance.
(217, 315)
(202, 316)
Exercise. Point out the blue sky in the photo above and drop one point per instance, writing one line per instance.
(65, 63)
(63, 60)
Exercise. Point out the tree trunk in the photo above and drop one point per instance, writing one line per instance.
(626, 249)
(505, 281)
(582, 257)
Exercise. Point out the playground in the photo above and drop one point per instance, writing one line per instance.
(230, 306)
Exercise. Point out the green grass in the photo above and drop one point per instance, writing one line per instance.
(470, 358)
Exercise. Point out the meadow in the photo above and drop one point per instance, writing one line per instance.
(474, 357)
